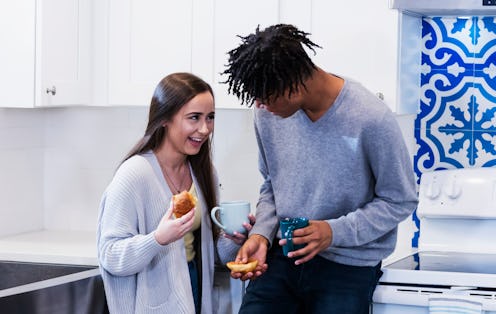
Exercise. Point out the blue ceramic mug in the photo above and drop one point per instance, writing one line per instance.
(232, 216)
(288, 225)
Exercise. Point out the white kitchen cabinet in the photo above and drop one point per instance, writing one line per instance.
(233, 18)
(45, 55)
(359, 40)
(149, 39)
(17, 53)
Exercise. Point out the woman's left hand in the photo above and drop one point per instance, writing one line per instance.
(240, 238)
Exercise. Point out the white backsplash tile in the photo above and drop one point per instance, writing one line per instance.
(55, 163)
(21, 192)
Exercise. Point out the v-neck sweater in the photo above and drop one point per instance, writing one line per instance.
(350, 168)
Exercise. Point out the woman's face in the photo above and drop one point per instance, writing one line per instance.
(192, 125)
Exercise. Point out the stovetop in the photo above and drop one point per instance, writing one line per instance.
(443, 269)
(448, 262)
(457, 228)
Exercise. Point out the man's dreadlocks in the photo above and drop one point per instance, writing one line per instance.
(268, 63)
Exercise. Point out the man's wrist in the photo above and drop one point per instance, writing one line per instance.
(260, 238)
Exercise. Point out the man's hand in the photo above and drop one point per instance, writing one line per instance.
(317, 236)
(255, 248)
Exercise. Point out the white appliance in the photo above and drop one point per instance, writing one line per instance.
(454, 269)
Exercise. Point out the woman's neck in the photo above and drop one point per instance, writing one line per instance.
(167, 157)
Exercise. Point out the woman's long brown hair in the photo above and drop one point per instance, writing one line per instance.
(173, 92)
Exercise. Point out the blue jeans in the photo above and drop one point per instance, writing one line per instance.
(317, 286)
(193, 275)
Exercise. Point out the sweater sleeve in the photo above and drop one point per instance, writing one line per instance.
(266, 215)
(122, 249)
(394, 193)
(227, 249)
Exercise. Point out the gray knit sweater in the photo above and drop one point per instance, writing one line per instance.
(139, 274)
(351, 168)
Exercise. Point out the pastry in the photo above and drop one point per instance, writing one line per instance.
(183, 203)
(241, 267)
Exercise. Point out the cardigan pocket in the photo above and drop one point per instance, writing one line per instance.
(164, 286)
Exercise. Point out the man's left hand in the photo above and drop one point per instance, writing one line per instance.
(317, 235)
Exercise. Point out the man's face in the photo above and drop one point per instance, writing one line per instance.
(283, 106)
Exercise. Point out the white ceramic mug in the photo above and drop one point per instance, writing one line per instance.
(232, 216)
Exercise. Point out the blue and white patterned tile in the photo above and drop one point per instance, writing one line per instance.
(484, 106)
(485, 62)
(485, 84)
(456, 123)
(484, 38)
(485, 148)
(457, 94)
(447, 44)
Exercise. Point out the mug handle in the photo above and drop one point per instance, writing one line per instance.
(214, 218)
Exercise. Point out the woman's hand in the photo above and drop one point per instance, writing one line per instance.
(171, 229)
(240, 238)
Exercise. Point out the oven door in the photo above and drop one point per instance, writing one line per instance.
(414, 283)
(416, 299)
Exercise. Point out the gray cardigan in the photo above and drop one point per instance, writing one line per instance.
(140, 275)
(350, 168)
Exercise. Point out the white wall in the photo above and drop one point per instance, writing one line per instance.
(21, 170)
(56, 162)
(84, 146)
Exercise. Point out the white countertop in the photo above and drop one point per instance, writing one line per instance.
(51, 246)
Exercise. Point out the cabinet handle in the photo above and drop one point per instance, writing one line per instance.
(52, 90)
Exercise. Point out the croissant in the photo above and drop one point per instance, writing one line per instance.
(183, 203)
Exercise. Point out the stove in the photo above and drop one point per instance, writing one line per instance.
(454, 269)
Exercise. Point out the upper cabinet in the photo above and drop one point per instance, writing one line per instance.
(147, 40)
(233, 18)
(359, 41)
(150, 39)
(17, 55)
(46, 54)
(56, 48)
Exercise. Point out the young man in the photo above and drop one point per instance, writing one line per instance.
(330, 151)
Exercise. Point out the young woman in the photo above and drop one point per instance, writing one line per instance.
(152, 262)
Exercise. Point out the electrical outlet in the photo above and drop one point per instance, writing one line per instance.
(488, 2)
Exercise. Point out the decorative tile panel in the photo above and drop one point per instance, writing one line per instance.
(456, 123)
(455, 127)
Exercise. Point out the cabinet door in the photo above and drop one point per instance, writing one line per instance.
(45, 46)
(63, 52)
(233, 18)
(148, 39)
(359, 40)
(17, 54)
